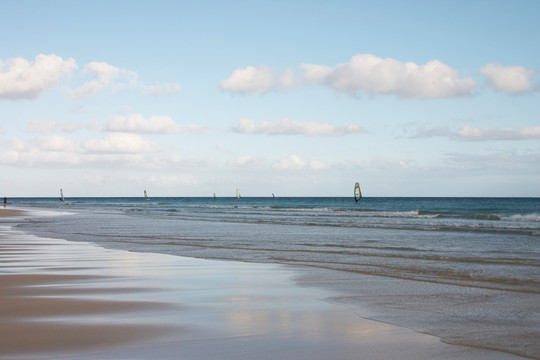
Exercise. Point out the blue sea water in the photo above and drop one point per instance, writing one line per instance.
(464, 269)
(488, 242)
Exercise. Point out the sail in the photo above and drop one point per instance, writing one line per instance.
(145, 195)
(357, 192)
(237, 194)
(61, 195)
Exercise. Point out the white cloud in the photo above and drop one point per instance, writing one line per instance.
(258, 80)
(117, 151)
(289, 127)
(38, 158)
(316, 73)
(104, 74)
(508, 79)
(108, 76)
(120, 143)
(116, 143)
(526, 133)
(14, 144)
(134, 123)
(40, 152)
(38, 126)
(22, 79)
(482, 134)
(372, 75)
(364, 74)
(56, 143)
(137, 123)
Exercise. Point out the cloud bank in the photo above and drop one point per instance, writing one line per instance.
(364, 74)
(289, 127)
(367, 74)
(120, 143)
(116, 143)
(47, 151)
(137, 123)
(482, 134)
(134, 123)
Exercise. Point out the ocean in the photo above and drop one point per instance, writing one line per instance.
(466, 270)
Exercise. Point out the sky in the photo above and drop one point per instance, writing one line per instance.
(296, 98)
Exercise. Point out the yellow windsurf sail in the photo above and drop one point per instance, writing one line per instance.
(357, 192)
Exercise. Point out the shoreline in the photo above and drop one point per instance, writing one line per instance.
(80, 300)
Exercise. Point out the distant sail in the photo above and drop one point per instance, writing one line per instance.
(357, 192)
(145, 195)
(61, 195)
(273, 196)
(237, 194)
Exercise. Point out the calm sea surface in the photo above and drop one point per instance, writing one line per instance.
(464, 269)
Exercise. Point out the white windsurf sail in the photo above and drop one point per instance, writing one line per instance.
(145, 195)
(357, 192)
(237, 194)
(61, 195)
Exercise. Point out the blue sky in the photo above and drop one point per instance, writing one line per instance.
(296, 98)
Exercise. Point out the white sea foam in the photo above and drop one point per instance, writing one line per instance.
(524, 218)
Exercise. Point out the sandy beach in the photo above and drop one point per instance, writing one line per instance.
(75, 300)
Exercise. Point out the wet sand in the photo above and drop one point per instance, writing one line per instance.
(61, 299)
(10, 212)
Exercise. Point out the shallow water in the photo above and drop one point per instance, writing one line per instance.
(464, 269)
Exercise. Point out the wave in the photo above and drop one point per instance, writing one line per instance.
(535, 217)
(367, 213)
(489, 217)
(415, 220)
